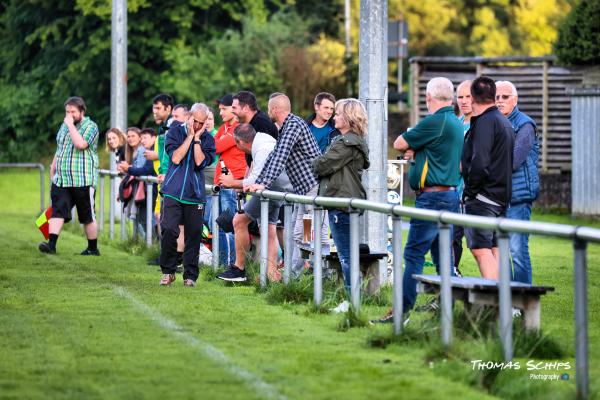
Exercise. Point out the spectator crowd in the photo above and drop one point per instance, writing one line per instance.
(475, 153)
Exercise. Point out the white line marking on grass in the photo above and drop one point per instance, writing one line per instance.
(263, 388)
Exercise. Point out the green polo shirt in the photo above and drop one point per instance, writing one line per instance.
(437, 141)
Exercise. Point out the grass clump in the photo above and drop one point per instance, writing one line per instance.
(352, 319)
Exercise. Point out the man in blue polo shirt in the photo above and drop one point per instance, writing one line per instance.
(436, 145)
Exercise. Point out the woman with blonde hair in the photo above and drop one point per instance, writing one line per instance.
(339, 171)
(115, 143)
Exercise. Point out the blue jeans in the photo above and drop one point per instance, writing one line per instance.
(519, 243)
(227, 200)
(423, 237)
(339, 223)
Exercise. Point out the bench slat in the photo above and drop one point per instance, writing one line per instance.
(488, 285)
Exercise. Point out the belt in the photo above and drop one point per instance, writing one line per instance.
(436, 188)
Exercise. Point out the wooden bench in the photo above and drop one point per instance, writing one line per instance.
(474, 290)
(369, 265)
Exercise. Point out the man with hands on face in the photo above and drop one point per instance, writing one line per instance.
(74, 173)
(190, 149)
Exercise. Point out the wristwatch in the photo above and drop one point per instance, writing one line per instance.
(196, 142)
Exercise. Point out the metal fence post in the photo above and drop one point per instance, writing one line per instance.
(111, 207)
(354, 261)
(136, 211)
(101, 211)
(123, 222)
(288, 241)
(445, 242)
(149, 187)
(214, 227)
(318, 257)
(398, 273)
(581, 318)
(42, 186)
(506, 321)
(264, 241)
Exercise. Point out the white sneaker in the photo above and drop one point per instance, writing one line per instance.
(343, 307)
(516, 312)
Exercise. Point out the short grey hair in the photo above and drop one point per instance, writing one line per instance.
(199, 107)
(244, 132)
(440, 88)
(513, 89)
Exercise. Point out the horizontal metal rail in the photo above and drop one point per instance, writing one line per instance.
(580, 236)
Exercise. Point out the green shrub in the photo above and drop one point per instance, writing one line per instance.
(578, 40)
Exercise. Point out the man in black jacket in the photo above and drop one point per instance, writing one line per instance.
(321, 123)
(487, 171)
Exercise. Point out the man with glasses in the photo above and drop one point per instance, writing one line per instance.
(525, 178)
(487, 170)
(190, 149)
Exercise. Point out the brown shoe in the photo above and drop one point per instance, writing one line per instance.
(189, 283)
(167, 279)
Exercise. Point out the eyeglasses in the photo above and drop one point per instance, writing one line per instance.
(503, 96)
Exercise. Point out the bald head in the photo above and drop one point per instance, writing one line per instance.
(279, 107)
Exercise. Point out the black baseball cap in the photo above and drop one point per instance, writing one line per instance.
(226, 100)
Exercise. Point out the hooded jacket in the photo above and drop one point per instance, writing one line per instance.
(340, 168)
(185, 181)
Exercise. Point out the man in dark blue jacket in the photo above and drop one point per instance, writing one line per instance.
(190, 148)
(487, 170)
(525, 177)
(321, 123)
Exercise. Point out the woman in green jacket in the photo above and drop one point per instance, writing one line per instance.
(339, 171)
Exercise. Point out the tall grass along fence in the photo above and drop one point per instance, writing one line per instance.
(579, 235)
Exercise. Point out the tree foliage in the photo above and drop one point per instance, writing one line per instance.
(579, 35)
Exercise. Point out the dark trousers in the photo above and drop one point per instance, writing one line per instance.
(191, 216)
(457, 238)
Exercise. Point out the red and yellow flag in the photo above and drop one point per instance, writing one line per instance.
(42, 222)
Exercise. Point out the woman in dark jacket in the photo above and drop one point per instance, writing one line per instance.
(339, 171)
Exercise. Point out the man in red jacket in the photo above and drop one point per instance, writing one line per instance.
(234, 161)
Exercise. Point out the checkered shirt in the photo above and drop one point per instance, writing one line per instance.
(74, 167)
(295, 151)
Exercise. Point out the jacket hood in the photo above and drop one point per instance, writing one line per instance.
(352, 139)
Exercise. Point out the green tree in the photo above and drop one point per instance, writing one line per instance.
(579, 35)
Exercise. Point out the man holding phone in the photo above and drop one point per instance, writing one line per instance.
(190, 149)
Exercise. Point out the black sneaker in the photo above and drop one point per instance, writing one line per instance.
(388, 318)
(88, 252)
(431, 306)
(233, 274)
(44, 247)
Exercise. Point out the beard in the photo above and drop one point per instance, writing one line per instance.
(78, 119)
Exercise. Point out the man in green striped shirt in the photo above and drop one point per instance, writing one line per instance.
(74, 173)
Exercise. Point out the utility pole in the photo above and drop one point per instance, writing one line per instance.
(372, 70)
(118, 82)
(348, 53)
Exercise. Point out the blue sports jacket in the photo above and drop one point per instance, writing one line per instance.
(185, 181)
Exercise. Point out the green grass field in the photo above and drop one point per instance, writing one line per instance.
(87, 328)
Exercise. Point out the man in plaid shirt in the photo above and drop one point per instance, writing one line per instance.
(74, 174)
(294, 152)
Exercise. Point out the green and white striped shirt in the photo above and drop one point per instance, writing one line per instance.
(74, 167)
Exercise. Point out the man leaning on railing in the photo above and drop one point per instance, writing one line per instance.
(436, 144)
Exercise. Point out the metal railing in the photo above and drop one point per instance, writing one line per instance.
(578, 234)
(42, 178)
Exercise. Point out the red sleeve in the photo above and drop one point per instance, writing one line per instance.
(223, 141)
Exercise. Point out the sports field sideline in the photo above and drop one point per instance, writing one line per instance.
(80, 327)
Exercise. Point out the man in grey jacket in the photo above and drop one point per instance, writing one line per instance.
(259, 145)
